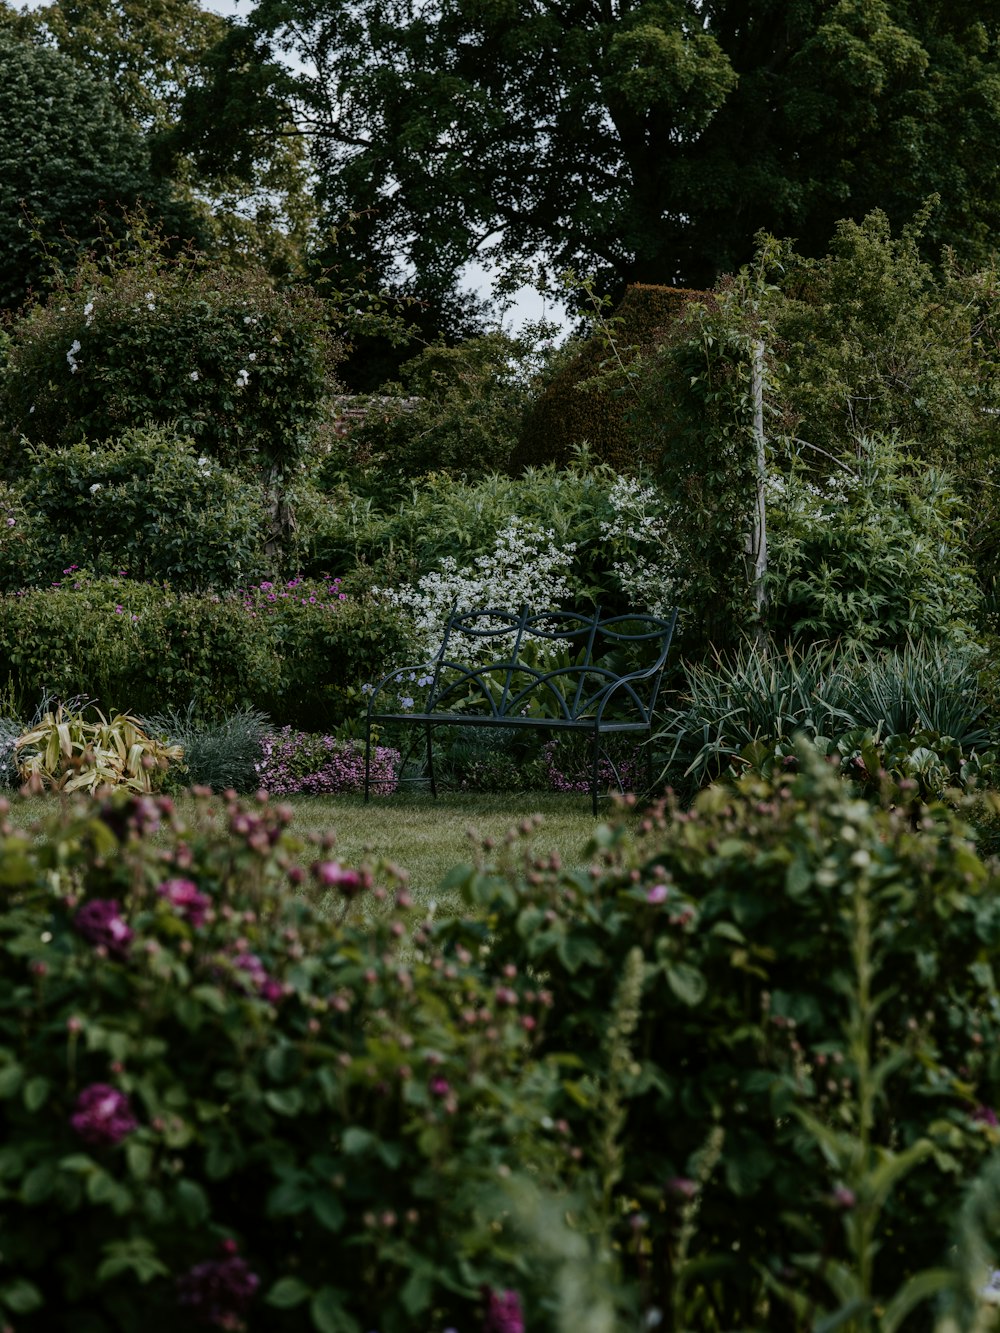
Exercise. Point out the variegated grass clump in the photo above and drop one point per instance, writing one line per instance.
(66, 751)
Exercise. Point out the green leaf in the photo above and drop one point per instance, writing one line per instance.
(328, 1313)
(139, 1157)
(39, 1184)
(328, 1210)
(288, 1292)
(36, 1092)
(284, 1101)
(11, 1078)
(686, 982)
(416, 1293)
(21, 1296)
(357, 1141)
(192, 1202)
(920, 1287)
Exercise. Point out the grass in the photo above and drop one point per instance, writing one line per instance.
(423, 835)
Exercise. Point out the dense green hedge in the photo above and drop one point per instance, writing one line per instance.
(148, 649)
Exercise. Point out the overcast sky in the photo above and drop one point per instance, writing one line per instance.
(526, 305)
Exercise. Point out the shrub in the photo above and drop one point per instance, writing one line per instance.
(803, 1079)
(327, 645)
(147, 503)
(133, 646)
(573, 409)
(218, 1102)
(455, 410)
(314, 765)
(874, 555)
(220, 355)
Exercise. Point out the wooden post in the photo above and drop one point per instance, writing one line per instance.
(759, 539)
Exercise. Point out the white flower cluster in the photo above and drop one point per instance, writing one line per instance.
(71, 357)
(646, 570)
(524, 568)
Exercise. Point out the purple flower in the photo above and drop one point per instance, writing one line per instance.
(218, 1291)
(657, 894)
(103, 1116)
(100, 923)
(335, 876)
(259, 978)
(503, 1312)
(985, 1115)
(185, 895)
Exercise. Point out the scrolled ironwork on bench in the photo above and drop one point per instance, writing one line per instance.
(515, 686)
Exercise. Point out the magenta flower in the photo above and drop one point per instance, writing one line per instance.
(218, 1291)
(100, 923)
(503, 1312)
(185, 896)
(657, 894)
(335, 876)
(102, 1116)
(985, 1115)
(258, 977)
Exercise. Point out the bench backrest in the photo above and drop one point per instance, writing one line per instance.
(550, 663)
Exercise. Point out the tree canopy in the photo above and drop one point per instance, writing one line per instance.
(70, 162)
(644, 140)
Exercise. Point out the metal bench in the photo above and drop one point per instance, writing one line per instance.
(560, 671)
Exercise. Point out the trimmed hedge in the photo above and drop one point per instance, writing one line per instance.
(566, 414)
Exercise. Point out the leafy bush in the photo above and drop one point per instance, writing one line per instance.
(219, 755)
(147, 503)
(297, 762)
(133, 646)
(219, 355)
(455, 410)
(875, 555)
(326, 644)
(218, 1102)
(779, 1031)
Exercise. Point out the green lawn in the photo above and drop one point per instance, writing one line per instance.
(425, 836)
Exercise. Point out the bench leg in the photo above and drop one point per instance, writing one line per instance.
(593, 771)
(368, 758)
(430, 763)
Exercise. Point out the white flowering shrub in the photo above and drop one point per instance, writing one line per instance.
(235, 364)
(644, 557)
(524, 567)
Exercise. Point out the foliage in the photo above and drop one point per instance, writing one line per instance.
(147, 503)
(133, 646)
(742, 1063)
(326, 646)
(222, 356)
(218, 1101)
(69, 164)
(220, 755)
(874, 554)
(877, 342)
(916, 713)
(589, 398)
(455, 410)
(66, 751)
(648, 144)
(315, 765)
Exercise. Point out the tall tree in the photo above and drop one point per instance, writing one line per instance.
(646, 140)
(149, 53)
(70, 163)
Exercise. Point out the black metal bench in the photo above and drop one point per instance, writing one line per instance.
(560, 671)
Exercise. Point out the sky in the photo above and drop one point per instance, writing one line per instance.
(526, 304)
